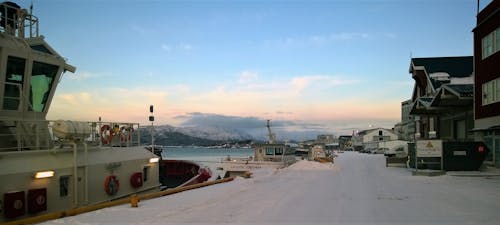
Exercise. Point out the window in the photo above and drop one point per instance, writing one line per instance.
(490, 44)
(491, 92)
(278, 151)
(269, 151)
(42, 78)
(145, 172)
(14, 79)
(63, 186)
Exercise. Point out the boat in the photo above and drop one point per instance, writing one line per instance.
(180, 173)
(54, 165)
(267, 155)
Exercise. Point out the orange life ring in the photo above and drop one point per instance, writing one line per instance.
(136, 180)
(126, 133)
(111, 185)
(108, 139)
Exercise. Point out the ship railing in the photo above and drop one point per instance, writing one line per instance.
(29, 135)
(18, 22)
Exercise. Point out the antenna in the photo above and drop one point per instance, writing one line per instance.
(477, 7)
(272, 138)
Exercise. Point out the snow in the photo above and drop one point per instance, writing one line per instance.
(357, 189)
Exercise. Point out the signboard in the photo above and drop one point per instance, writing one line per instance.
(429, 148)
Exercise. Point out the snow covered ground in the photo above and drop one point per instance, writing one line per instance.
(358, 189)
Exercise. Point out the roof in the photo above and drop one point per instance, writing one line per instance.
(461, 66)
(462, 90)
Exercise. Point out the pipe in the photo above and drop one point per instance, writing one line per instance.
(86, 158)
(75, 176)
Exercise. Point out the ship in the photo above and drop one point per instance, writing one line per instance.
(55, 165)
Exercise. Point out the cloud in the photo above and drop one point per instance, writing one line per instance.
(181, 47)
(300, 83)
(247, 77)
(84, 75)
(138, 29)
(327, 39)
(186, 47)
(248, 96)
(166, 47)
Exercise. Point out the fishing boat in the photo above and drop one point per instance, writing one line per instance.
(268, 155)
(54, 165)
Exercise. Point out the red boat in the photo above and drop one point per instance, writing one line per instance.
(178, 173)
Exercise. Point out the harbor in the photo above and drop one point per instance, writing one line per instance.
(357, 189)
(259, 113)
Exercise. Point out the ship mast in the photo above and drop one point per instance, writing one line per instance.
(272, 137)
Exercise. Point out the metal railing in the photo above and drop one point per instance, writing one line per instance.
(18, 22)
(29, 135)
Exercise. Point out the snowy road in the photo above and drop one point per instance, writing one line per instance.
(358, 189)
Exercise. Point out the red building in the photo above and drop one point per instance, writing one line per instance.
(487, 79)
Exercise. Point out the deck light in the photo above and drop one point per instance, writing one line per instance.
(44, 174)
(154, 160)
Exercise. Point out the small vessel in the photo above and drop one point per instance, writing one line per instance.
(268, 155)
(179, 173)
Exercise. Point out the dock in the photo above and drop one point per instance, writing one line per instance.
(357, 189)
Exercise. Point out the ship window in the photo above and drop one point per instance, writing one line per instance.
(145, 172)
(279, 151)
(63, 186)
(42, 78)
(269, 151)
(41, 48)
(14, 79)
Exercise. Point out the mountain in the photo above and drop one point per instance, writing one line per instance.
(201, 136)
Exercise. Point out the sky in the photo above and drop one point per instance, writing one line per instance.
(339, 65)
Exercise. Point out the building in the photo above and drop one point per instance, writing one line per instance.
(442, 99)
(325, 139)
(345, 142)
(368, 137)
(487, 79)
(407, 126)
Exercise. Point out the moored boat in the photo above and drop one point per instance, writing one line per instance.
(268, 155)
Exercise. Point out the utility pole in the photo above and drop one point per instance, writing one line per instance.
(152, 119)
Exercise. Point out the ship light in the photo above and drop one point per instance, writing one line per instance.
(154, 160)
(44, 174)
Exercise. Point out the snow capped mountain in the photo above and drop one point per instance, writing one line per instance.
(207, 132)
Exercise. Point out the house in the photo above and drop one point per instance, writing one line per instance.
(371, 137)
(345, 141)
(406, 129)
(487, 80)
(442, 99)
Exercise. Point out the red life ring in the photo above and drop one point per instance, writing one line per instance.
(126, 133)
(111, 185)
(109, 137)
(136, 180)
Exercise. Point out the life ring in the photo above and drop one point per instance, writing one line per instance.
(111, 185)
(106, 138)
(136, 180)
(126, 133)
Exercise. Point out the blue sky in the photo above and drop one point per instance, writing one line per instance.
(341, 64)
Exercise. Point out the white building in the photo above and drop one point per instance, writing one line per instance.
(372, 137)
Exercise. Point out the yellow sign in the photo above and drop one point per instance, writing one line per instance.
(429, 148)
